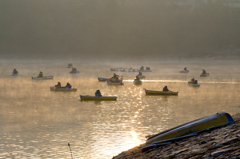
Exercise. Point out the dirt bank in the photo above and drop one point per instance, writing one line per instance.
(219, 143)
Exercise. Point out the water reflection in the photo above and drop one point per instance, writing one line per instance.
(38, 123)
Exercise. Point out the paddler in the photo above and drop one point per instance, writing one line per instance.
(98, 93)
(68, 86)
(204, 72)
(165, 89)
(40, 74)
(185, 69)
(15, 71)
(58, 85)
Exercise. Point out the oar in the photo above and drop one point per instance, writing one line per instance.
(70, 150)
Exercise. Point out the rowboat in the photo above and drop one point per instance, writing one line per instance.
(184, 71)
(74, 71)
(137, 82)
(196, 126)
(105, 79)
(87, 97)
(114, 83)
(205, 75)
(151, 92)
(15, 74)
(62, 89)
(194, 85)
(42, 78)
(145, 70)
(141, 76)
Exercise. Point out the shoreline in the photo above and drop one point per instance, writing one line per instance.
(217, 143)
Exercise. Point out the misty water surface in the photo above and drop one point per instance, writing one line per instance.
(38, 123)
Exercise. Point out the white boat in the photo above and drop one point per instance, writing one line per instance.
(15, 74)
(137, 81)
(62, 89)
(141, 76)
(114, 83)
(205, 75)
(194, 85)
(184, 71)
(42, 78)
(75, 71)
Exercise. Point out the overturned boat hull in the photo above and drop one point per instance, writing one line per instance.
(199, 125)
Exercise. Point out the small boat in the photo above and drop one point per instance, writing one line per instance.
(103, 79)
(195, 126)
(70, 65)
(75, 71)
(114, 83)
(152, 92)
(137, 81)
(184, 71)
(62, 89)
(205, 75)
(141, 76)
(147, 69)
(42, 78)
(194, 85)
(15, 74)
(87, 97)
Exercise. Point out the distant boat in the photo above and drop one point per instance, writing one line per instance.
(151, 92)
(194, 85)
(87, 97)
(42, 78)
(184, 71)
(137, 81)
(62, 89)
(114, 83)
(205, 75)
(15, 74)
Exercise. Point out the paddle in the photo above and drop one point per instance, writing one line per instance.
(70, 150)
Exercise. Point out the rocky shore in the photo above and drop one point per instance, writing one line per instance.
(219, 143)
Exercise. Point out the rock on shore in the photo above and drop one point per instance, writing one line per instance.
(219, 143)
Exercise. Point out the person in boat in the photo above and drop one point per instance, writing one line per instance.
(68, 86)
(70, 65)
(137, 78)
(40, 74)
(98, 93)
(115, 76)
(117, 80)
(15, 71)
(185, 69)
(142, 68)
(58, 85)
(165, 89)
(192, 80)
(195, 81)
(204, 72)
(140, 73)
(74, 69)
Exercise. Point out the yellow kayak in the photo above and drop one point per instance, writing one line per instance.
(87, 97)
(62, 89)
(160, 92)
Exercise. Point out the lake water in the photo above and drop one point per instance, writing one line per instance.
(38, 123)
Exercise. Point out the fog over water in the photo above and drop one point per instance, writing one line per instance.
(38, 123)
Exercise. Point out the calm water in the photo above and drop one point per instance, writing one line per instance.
(38, 123)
